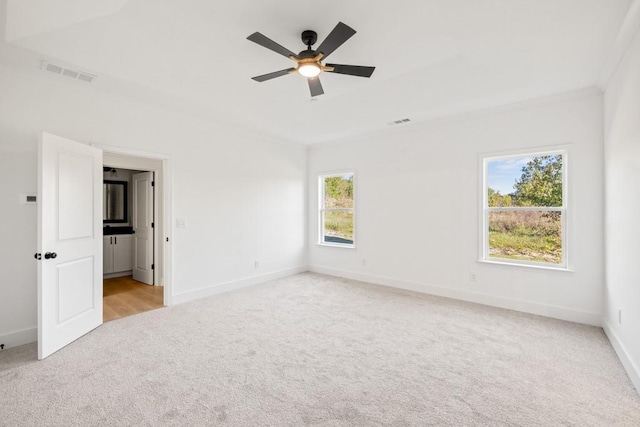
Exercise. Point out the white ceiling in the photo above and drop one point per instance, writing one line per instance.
(432, 57)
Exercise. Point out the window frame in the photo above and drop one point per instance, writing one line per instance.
(564, 209)
(322, 210)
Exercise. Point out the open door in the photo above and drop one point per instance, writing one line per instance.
(143, 227)
(69, 242)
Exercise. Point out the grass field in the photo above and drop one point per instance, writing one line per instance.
(526, 236)
(339, 224)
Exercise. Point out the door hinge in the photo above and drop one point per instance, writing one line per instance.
(152, 225)
(153, 183)
(152, 266)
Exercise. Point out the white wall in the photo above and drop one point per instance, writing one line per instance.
(243, 196)
(622, 226)
(18, 174)
(417, 207)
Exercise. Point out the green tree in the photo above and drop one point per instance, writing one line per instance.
(496, 199)
(338, 192)
(540, 183)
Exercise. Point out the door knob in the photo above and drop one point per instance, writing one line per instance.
(50, 255)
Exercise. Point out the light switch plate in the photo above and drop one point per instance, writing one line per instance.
(28, 198)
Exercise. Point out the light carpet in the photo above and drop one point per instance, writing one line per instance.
(316, 350)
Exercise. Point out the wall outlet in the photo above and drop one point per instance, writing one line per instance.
(620, 316)
(473, 277)
(256, 264)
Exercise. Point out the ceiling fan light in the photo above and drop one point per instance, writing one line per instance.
(309, 70)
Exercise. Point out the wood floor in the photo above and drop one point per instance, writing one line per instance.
(123, 297)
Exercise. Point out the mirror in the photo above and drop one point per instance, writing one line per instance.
(114, 202)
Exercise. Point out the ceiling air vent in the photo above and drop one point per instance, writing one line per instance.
(399, 122)
(76, 75)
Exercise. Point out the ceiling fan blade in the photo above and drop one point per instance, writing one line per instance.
(352, 70)
(265, 41)
(265, 77)
(315, 86)
(340, 34)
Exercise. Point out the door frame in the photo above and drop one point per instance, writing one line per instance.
(160, 164)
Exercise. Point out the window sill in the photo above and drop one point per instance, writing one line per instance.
(337, 245)
(523, 265)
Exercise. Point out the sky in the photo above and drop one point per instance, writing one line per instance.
(503, 173)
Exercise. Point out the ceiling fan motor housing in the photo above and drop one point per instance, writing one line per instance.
(309, 37)
(305, 54)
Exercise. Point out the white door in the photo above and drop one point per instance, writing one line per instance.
(143, 227)
(69, 242)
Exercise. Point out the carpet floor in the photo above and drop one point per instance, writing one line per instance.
(317, 350)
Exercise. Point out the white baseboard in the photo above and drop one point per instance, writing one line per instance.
(233, 285)
(119, 274)
(632, 369)
(15, 339)
(562, 313)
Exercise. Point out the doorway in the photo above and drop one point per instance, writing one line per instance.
(128, 243)
(134, 242)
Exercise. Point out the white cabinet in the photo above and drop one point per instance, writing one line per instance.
(107, 254)
(122, 253)
(117, 253)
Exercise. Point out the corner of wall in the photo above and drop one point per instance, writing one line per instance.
(220, 288)
(618, 50)
(632, 370)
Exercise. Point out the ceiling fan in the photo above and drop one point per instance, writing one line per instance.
(308, 62)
